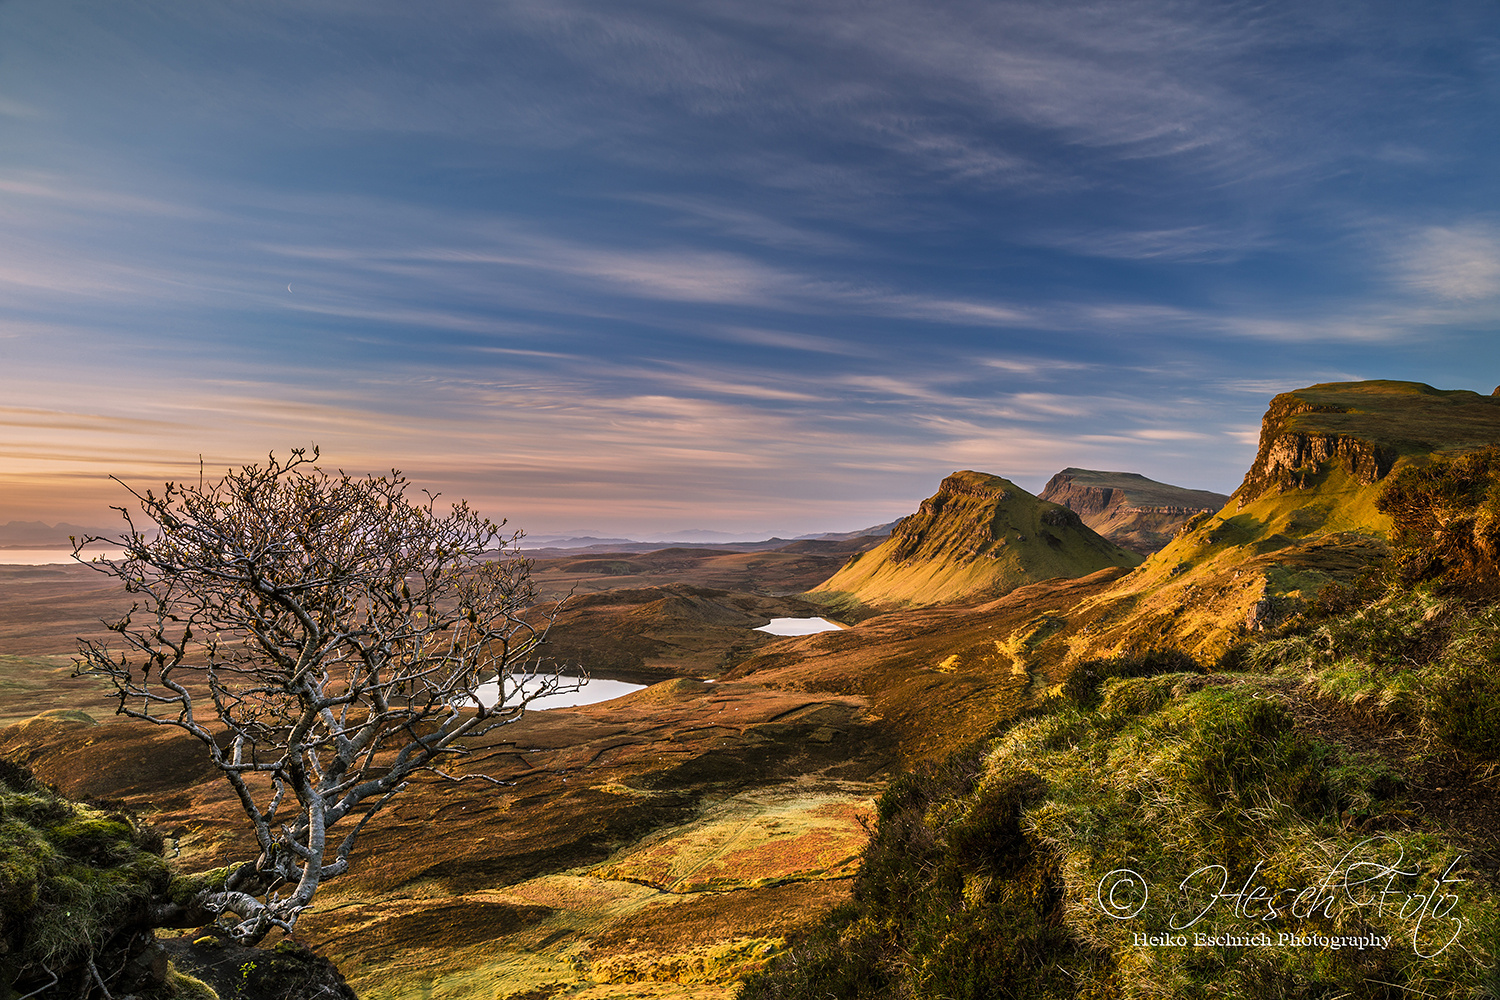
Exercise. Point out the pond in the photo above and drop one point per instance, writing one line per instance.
(799, 626)
(597, 689)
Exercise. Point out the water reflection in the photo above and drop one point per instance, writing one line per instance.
(799, 626)
(569, 693)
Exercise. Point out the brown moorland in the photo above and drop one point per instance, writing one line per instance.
(664, 843)
(707, 819)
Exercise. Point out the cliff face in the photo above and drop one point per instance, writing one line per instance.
(1292, 452)
(1134, 512)
(1364, 428)
(978, 536)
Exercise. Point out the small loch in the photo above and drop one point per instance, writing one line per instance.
(799, 626)
(570, 695)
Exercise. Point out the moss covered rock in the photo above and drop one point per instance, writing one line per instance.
(285, 972)
(77, 883)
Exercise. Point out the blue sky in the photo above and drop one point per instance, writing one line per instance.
(638, 267)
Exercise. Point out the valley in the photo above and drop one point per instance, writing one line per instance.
(1129, 674)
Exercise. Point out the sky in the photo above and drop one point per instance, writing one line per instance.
(635, 267)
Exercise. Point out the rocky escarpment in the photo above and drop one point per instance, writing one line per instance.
(1134, 512)
(1308, 513)
(978, 536)
(1364, 428)
(1289, 458)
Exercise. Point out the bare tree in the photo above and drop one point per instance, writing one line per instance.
(325, 640)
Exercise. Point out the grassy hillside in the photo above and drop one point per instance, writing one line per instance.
(1306, 516)
(979, 536)
(1312, 816)
(1173, 835)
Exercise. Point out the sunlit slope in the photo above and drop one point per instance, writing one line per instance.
(979, 536)
(1304, 516)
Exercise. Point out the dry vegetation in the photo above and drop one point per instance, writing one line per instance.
(1253, 696)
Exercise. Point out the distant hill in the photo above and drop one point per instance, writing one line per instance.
(37, 535)
(832, 543)
(875, 530)
(978, 536)
(1130, 510)
(550, 547)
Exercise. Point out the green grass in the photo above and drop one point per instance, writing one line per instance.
(74, 880)
(1409, 657)
(1411, 417)
(952, 901)
(988, 878)
(1415, 641)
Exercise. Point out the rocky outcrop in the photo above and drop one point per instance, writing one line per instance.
(79, 885)
(979, 536)
(236, 972)
(1308, 514)
(970, 525)
(1363, 428)
(1134, 512)
(1290, 456)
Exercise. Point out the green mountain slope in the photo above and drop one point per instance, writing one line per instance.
(1305, 515)
(979, 536)
(1313, 816)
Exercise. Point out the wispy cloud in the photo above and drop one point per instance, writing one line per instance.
(16, 109)
(1199, 243)
(716, 215)
(1034, 367)
(1456, 263)
(787, 340)
(582, 255)
(91, 198)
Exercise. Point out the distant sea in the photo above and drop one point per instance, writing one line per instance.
(44, 557)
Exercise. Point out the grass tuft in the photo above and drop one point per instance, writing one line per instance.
(987, 877)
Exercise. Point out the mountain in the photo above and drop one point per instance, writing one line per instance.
(1203, 706)
(535, 543)
(1130, 510)
(1305, 515)
(875, 530)
(978, 536)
